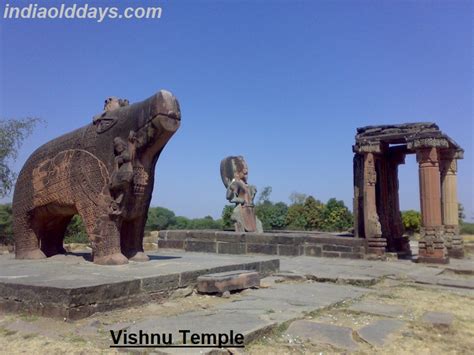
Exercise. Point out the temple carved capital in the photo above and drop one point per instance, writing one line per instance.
(427, 157)
(430, 142)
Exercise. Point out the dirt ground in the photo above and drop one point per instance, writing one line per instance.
(81, 337)
(416, 337)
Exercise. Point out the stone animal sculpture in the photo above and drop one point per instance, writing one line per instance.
(234, 174)
(104, 172)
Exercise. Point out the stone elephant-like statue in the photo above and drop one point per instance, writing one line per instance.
(104, 172)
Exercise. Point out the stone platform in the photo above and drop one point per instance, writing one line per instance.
(268, 243)
(70, 287)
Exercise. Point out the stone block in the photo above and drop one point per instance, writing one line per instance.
(231, 248)
(289, 250)
(174, 235)
(269, 266)
(202, 235)
(332, 247)
(150, 246)
(206, 247)
(171, 244)
(228, 281)
(260, 238)
(160, 283)
(230, 237)
(312, 250)
(351, 255)
(331, 254)
(262, 249)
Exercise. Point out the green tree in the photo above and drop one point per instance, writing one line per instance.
(159, 218)
(297, 198)
(12, 135)
(226, 214)
(6, 226)
(411, 221)
(180, 222)
(272, 215)
(76, 231)
(461, 214)
(313, 213)
(336, 216)
(295, 218)
(205, 223)
(264, 195)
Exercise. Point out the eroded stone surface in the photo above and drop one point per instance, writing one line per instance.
(378, 333)
(379, 309)
(340, 337)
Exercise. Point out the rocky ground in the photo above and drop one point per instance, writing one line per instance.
(313, 305)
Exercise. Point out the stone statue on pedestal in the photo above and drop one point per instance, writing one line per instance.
(234, 173)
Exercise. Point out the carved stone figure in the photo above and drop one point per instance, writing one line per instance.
(234, 173)
(104, 172)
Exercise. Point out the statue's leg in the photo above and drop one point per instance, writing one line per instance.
(27, 244)
(132, 239)
(52, 234)
(103, 233)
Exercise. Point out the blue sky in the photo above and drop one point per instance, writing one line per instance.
(283, 83)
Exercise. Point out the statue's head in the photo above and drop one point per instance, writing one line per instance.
(165, 111)
(119, 145)
(233, 168)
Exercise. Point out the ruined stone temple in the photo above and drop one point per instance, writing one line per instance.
(379, 150)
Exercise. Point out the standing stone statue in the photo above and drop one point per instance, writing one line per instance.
(234, 173)
(104, 172)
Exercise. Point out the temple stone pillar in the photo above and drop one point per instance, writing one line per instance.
(358, 202)
(397, 243)
(449, 205)
(431, 245)
(372, 228)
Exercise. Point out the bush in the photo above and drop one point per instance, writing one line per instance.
(159, 218)
(6, 227)
(272, 215)
(336, 216)
(467, 228)
(411, 221)
(295, 218)
(76, 232)
(226, 214)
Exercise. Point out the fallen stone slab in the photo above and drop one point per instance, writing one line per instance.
(228, 281)
(438, 319)
(316, 333)
(290, 276)
(379, 309)
(343, 279)
(449, 282)
(378, 332)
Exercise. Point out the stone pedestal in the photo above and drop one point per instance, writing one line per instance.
(431, 246)
(449, 205)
